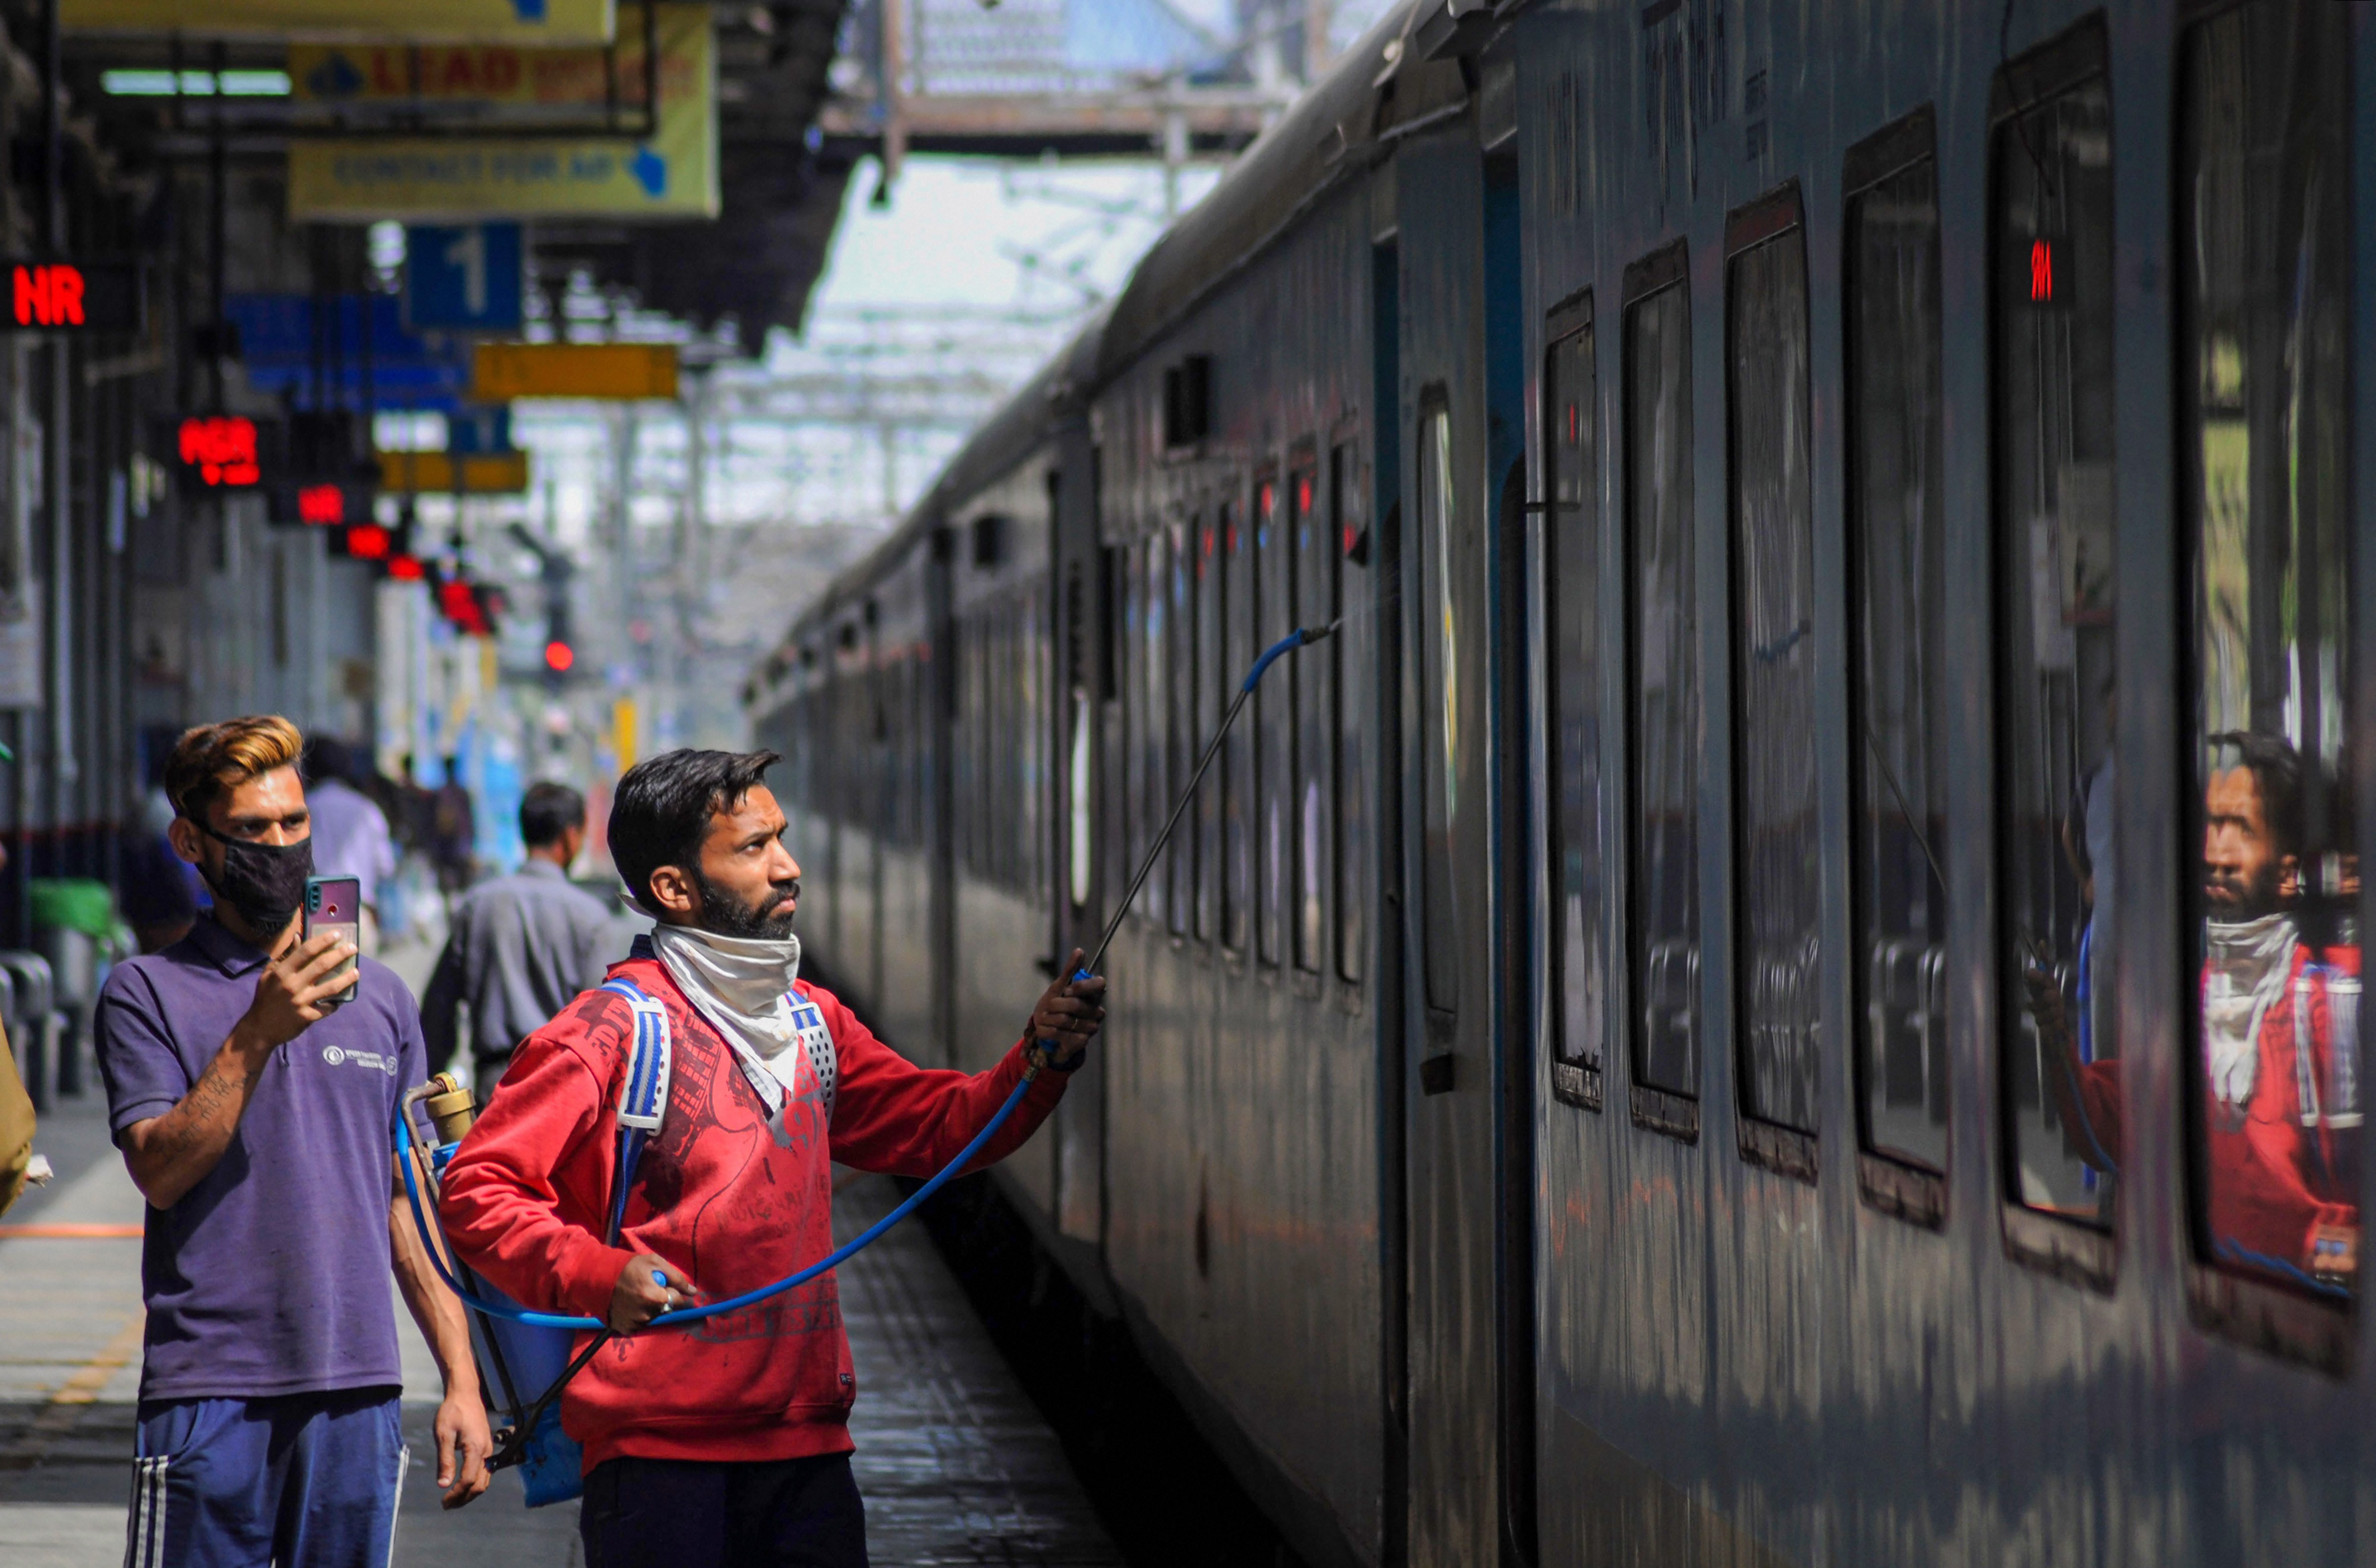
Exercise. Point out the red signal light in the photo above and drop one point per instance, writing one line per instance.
(369, 542)
(468, 606)
(48, 295)
(406, 568)
(322, 505)
(559, 656)
(221, 447)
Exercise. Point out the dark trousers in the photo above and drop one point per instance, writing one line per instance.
(698, 1514)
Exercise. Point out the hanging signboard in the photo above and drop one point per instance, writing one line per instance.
(496, 21)
(440, 473)
(465, 278)
(629, 371)
(671, 173)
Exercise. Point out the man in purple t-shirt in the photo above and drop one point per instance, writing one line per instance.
(254, 1115)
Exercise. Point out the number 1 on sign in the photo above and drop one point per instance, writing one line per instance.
(467, 250)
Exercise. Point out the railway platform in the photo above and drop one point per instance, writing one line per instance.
(955, 1465)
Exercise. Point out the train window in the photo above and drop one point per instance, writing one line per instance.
(1018, 727)
(1237, 610)
(1079, 791)
(1127, 757)
(1898, 595)
(1347, 654)
(1004, 715)
(1578, 976)
(2056, 571)
(1186, 677)
(2265, 173)
(1211, 596)
(1662, 656)
(977, 664)
(1017, 851)
(1315, 707)
(1038, 751)
(1153, 699)
(1274, 729)
(1777, 849)
(1439, 707)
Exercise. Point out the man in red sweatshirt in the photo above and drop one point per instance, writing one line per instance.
(726, 1441)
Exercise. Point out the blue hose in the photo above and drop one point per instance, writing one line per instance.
(404, 1147)
(2236, 1251)
(1280, 649)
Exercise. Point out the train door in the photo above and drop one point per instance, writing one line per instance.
(1452, 1066)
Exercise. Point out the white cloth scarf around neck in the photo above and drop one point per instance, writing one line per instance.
(2248, 967)
(741, 984)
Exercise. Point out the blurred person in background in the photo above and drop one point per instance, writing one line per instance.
(453, 830)
(520, 947)
(161, 893)
(17, 1127)
(351, 836)
(16, 1116)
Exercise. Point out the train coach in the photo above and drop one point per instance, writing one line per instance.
(1786, 989)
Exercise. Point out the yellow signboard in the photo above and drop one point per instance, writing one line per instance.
(485, 474)
(501, 372)
(464, 81)
(507, 21)
(672, 174)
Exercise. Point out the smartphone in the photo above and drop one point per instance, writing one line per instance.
(335, 904)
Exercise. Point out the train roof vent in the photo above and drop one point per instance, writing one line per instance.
(1188, 400)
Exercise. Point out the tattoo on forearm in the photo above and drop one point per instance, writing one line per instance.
(185, 1126)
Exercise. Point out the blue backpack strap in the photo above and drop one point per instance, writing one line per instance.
(817, 1040)
(644, 1101)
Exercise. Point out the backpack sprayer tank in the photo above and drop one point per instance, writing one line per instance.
(517, 1361)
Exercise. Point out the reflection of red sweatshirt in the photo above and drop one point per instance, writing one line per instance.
(2270, 1161)
(718, 1196)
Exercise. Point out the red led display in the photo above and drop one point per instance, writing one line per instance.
(322, 505)
(47, 294)
(220, 449)
(76, 297)
(2042, 271)
(369, 542)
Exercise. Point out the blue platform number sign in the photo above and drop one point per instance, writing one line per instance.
(479, 431)
(462, 278)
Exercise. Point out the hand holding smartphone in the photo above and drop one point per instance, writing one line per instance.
(335, 904)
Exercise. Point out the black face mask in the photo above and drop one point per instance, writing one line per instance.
(264, 882)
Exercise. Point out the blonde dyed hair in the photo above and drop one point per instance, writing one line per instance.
(212, 760)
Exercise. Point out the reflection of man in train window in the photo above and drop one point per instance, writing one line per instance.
(2088, 844)
(2269, 1035)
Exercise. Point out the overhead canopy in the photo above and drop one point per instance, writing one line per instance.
(779, 186)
